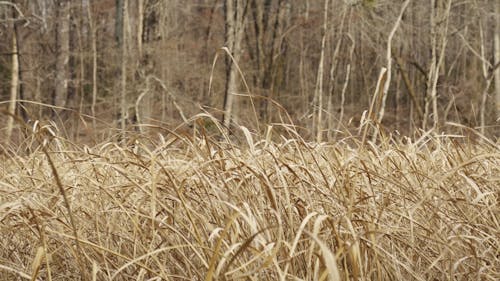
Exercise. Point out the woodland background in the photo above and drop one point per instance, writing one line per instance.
(93, 65)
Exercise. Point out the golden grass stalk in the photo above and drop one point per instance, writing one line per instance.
(245, 207)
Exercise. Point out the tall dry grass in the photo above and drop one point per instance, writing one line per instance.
(190, 207)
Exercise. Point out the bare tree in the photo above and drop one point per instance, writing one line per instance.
(14, 84)
(497, 58)
(295, 52)
(62, 53)
(122, 40)
(333, 72)
(318, 92)
(235, 16)
(140, 26)
(270, 19)
(344, 90)
(93, 39)
(386, 85)
(439, 19)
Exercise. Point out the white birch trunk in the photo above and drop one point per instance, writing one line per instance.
(14, 84)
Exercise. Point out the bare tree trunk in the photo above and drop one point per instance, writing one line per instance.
(230, 15)
(302, 71)
(489, 76)
(165, 70)
(142, 110)
(123, 71)
(80, 76)
(62, 55)
(485, 65)
(440, 63)
(482, 109)
(346, 83)
(119, 21)
(259, 28)
(14, 84)
(140, 26)
(497, 59)
(397, 100)
(235, 12)
(431, 93)
(409, 87)
(269, 22)
(333, 74)
(93, 34)
(318, 93)
(389, 62)
(439, 30)
(374, 104)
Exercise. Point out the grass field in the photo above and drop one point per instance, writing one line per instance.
(190, 207)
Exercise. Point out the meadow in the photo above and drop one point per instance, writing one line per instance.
(190, 206)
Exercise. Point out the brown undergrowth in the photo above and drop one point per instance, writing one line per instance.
(194, 208)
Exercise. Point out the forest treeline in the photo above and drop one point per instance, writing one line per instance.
(331, 64)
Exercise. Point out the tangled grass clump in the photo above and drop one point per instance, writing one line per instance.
(193, 208)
